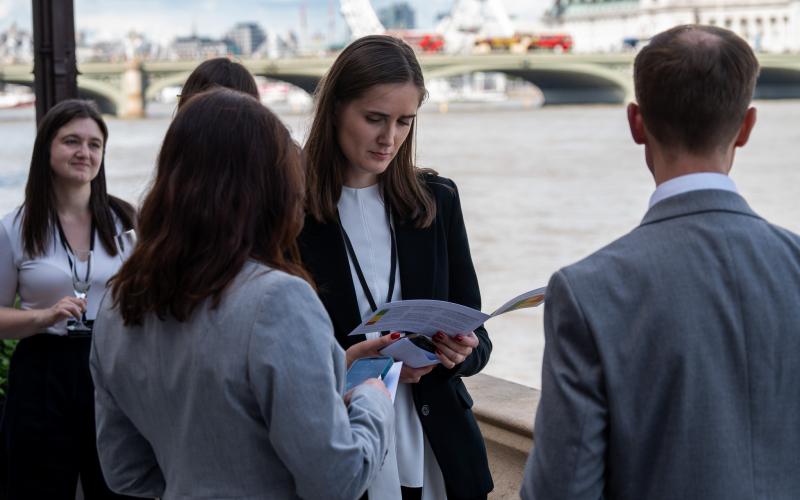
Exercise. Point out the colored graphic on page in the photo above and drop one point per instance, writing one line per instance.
(377, 317)
(529, 302)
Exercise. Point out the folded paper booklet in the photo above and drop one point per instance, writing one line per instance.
(430, 316)
(427, 317)
(409, 353)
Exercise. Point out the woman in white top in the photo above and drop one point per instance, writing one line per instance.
(378, 229)
(48, 435)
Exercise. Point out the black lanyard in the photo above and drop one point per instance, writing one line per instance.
(68, 250)
(357, 266)
(65, 243)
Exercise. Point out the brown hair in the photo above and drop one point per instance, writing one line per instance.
(368, 61)
(694, 85)
(228, 188)
(218, 72)
(39, 212)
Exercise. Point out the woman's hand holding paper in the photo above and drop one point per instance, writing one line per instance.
(452, 351)
(409, 375)
(369, 347)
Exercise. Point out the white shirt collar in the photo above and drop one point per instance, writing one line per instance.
(692, 182)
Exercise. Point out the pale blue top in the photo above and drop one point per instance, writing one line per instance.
(692, 182)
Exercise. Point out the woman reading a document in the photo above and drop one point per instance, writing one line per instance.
(378, 229)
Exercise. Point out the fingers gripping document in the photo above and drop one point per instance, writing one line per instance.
(426, 317)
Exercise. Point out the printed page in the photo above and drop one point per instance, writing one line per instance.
(523, 301)
(392, 378)
(403, 350)
(423, 316)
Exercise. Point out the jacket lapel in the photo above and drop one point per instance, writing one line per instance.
(331, 268)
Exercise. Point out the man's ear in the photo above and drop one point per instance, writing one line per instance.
(747, 126)
(636, 124)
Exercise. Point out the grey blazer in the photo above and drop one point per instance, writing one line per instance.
(240, 402)
(672, 362)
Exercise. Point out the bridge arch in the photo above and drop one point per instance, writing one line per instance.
(778, 82)
(154, 88)
(106, 96)
(22, 80)
(305, 81)
(560, 83)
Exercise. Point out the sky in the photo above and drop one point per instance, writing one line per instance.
(162, 20)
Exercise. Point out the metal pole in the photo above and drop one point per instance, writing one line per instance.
(54, 69)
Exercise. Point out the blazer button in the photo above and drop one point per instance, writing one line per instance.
(426, 410)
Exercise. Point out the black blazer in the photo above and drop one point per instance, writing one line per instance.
(435, 263)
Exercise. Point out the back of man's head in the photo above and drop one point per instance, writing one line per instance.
(694, 85)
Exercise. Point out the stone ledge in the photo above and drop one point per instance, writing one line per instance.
(504, 411)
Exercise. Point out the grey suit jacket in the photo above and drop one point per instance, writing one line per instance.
(242, 401)
(672, 362)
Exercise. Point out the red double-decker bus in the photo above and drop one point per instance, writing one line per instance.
(421, 41)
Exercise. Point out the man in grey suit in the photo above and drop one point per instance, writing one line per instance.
(672, 358)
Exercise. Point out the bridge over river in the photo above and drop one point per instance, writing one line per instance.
(124, 88)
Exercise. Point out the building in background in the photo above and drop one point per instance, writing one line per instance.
(198, 47)
(398, 16)
(16, 46)
(246, 38)
(614, 25)
(133, 46)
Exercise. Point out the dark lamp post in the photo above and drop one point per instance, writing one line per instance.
(55, 72)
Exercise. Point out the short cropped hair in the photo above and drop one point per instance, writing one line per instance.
(694, 85)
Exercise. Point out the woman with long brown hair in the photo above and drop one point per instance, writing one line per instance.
(217, 374)
(380, 229)
(67, 219)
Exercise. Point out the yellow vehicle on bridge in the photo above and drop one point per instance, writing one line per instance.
(524, 42)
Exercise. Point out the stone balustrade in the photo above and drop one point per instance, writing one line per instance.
(505, 412)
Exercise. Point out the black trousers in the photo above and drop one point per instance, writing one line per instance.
(414, 494)
(406, 494)
(48, 430)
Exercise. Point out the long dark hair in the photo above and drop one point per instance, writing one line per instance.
(218, 72)
(368, 61)
(39, 213)
(228, 188)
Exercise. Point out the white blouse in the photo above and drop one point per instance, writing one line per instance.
(46, 279)
(363, 216)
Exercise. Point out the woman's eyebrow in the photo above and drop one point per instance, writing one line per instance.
(386, 115)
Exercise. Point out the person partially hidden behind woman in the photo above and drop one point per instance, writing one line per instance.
(217, 374)
(379, 229)
(48, 433)
(217, 72)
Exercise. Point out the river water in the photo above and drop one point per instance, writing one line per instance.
(540, 189)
